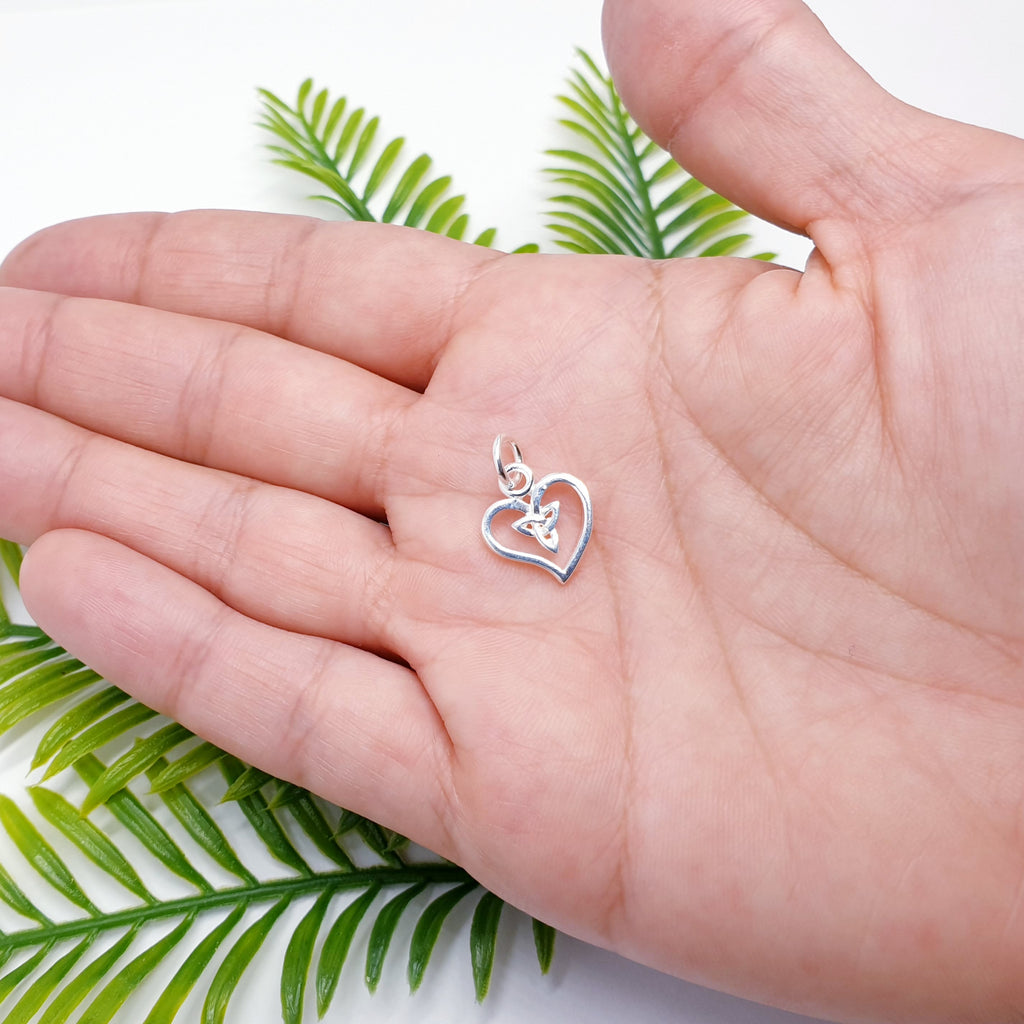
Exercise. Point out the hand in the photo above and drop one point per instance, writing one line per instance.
(769, 735)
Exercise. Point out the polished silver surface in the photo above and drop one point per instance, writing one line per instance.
(536, 520)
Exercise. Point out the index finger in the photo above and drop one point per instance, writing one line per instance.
(380, 296)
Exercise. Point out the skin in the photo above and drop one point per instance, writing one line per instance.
(769, 735)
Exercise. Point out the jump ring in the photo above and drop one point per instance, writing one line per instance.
(525, 474)
(499, 442)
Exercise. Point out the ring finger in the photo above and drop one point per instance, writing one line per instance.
(278, 555)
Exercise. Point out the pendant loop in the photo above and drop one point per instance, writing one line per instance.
(516, 470)
(516, 478)
(499, 442)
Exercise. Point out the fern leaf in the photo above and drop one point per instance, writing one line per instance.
(11, 556)
(99, 735)
(378, 839)
(339, 151)
(731, 244)
(382, 168)
(45, 684)
(129, 811)
(286, 793)
(19, 650)
(308, 816)
(319, 105)
(77, 990)
(617, 179)
(427, 198)
(43, 987)
(336, 947)
(14, 977)
(188, 975)
(337, 112)
(76, 720)
(114, 994)
(250, 781)
(42, 856)
(443, 215)
(89, 839)
(235, 964)
(364, 144)
(702, 235)
(12, 895)
(483, 941)
(138, 759)
(544, 943)
(383, 931)
(457, 228)
(297, 960)
(346, 135)
(186, 767)
(201, 827)
(265, 823)
(428, 930)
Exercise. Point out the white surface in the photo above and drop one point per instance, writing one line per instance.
(150, 105)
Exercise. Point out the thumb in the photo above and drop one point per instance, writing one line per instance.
(756, 100)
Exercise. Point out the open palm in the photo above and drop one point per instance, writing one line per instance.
(768, 736)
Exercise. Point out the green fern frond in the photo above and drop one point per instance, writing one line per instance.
(10, 556)
(52, 959)
(338, 148)
(54, 966)
(621, 193)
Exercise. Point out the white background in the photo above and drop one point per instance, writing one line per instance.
(150, 105)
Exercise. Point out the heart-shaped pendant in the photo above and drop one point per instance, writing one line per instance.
(535, 520)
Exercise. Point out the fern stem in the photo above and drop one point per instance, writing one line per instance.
(264, 892)
(324, 159)
(654, 234)
(647, 207)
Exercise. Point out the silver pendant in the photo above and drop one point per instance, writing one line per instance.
(536, 520)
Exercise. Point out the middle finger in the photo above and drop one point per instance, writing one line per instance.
(205, 391)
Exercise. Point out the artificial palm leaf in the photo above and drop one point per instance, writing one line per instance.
(338, 147)
(50, 962)
(622, 192)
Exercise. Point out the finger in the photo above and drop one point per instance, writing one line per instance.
(203, 390)
(379, 296)
(334, 719)
(760, 103)
(277, 555)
